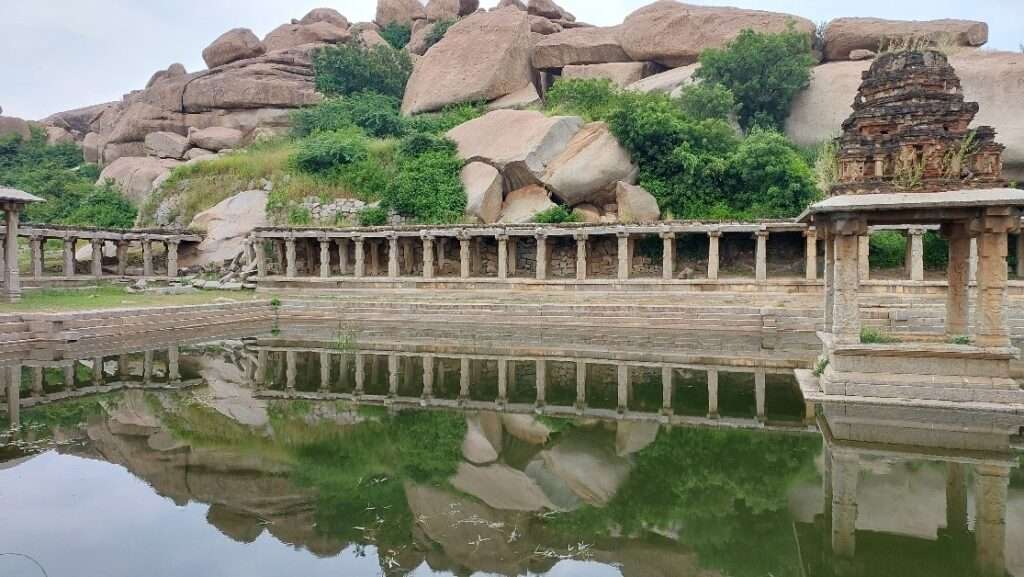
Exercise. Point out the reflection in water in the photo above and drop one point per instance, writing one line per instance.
(328, 459)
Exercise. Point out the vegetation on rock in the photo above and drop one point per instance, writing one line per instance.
(556, 215)
(437, 32)
(397, 35)
(350, 68)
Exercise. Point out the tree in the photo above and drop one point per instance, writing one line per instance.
(707, 100)
(764, 71)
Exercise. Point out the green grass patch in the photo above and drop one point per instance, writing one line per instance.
(106, 296)
(872, 336)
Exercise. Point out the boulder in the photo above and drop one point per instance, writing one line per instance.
(587, 170)
(293, 35)
(173, 71)
(861, 54)
(91, 147)
(587, 213)
(500, 43)
(501, 487)
(135, 175)
(227, 225)
(844, 35)
(195, 153)
(236, 44)
(818, 111)
(523, 204)
(399, 12)
(80, 121)
(329, 15)
(548, 9)
(58, 135)
(674, 34)
(484, 191)
(279, 80)
(166, 145)
(517, 4)
(450, 9)
(541, 25)
(140, 119)
(588, 464)
(526, 428)
(111, 152)
(620, 73)
(518, 100)
(10, 125)
(418, 41)
(579, 46)
(519, 143)
(216, 138)
(636, 205)
(371, 38)
(671, 81)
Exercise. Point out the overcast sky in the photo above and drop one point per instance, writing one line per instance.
(62, 54)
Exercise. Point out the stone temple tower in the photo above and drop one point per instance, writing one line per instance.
(910, 131)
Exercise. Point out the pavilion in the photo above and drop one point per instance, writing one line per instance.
(12, 202)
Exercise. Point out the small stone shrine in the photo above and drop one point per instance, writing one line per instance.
(908, 157)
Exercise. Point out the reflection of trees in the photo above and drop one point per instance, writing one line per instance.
(724, 491)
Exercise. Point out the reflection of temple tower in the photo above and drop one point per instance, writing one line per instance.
(971, 444)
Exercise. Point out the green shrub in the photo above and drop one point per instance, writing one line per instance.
(872, 336)
(445, 120)
(556, 215)
(376, 114)
(373, 216)
(422, 143)
(325, 152)
(437, 32)
(936, 251)
(960, 340)
(765, 72)
(427, 188)
(103, 207)
(888, 249)
(707, 100)
(591, 98)
(770, 178)
(348, 69)
(397, 35)
(299, 216)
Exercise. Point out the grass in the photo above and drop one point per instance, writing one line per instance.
(871, 336)
(109, 296)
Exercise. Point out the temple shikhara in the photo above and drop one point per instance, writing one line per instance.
(911, 131)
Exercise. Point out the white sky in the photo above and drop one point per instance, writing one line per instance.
(62, 54)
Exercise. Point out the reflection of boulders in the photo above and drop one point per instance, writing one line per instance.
(483, 442)
(587, 462)
(228, 394)
(648, 560)
(526, 428)
(634, 436)
(501, 487)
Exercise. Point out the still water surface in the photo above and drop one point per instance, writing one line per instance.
(215, 466)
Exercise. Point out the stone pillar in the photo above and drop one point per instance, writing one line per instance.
(991, 329)
(261, 369)
(667, 389)
(864, 257)
(12, 280)
(992, 483)
(956, 498)
(172, 258)
(261, 257)
(712, 393)
(393, 270)
(173, 365)
(428, 377)
(502, 256)
(542, 382)
(147, 258)
(958, 272)
(625, 256)
(407, 265)
(122, 367)
(428, 257)
(325, 258)
(714, 238)
(12, 377)
(360, 270)
(69, 377)
(542, 257)
(760, 393)
(97, 371)
(502, 381)
(811, 253)
(97, 257)
(464, 380)
(973, 270)
(581, 256)
(1020, 255)
(846, 309)
(513, 255)
(845, 477)
(581, 385)
(147, 367)
(342, 256)
(442, 251)
(625, 382)
(122, 258)
(37, 382)
(374, 248)
(360, 375)
(917, 254)
(465, 264)
(761, 257)
(325, 372)
(668, 255)
(36, 244)
(292, 268)
(476, 267)
(69, 257)
(830, 277)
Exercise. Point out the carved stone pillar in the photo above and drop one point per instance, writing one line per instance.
(830, 277)
(973, 270)
(260, 378)
(542, 257)
(958, 272)
(916, 255)
(760, 393)
(542, 382)
(713, 254)
(11, 274)
(625, 384)
(502, 256)
(69, 257)
(326, 363)
(712, 393)
(465, 262)
(464, 380)
(173, 365)
(325, 258)
(10, 378)
(172, 258)
(476, 266)
(292, 267)
(360, 375)
(513, 255)
(668, 255)
(36, 244)
(428, 377)
(581, 256)
(291, 370)
(147, 257)
(360, 270)
(442, 252)
(393, 270)
(407, 266)
(342, 255)
(1020, 255)
(845, 478)
(992, 484)
(261, 257)
(667, 389)
(502, 382)
(97, 371)
(991, 329)
(581, 385)
(956, 498)
(811, 253)
(761, 256)
(374, 247)
(428, 257)
(864, 257)
(625, 256)
(147, 367)
(846, 309)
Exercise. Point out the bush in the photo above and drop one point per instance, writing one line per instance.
(706, 101)
(765, 72)
(437, 32)
(888, 249)
(347, 69)
(445, 120)
(591, 98)
(871, 336)
(376, 114)
(397, 35)
(421, 143)
(771, 178)
(427, 188)
(936, 251)
(326, 152)
(103, 207)
(556, 215)
(373, 216)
